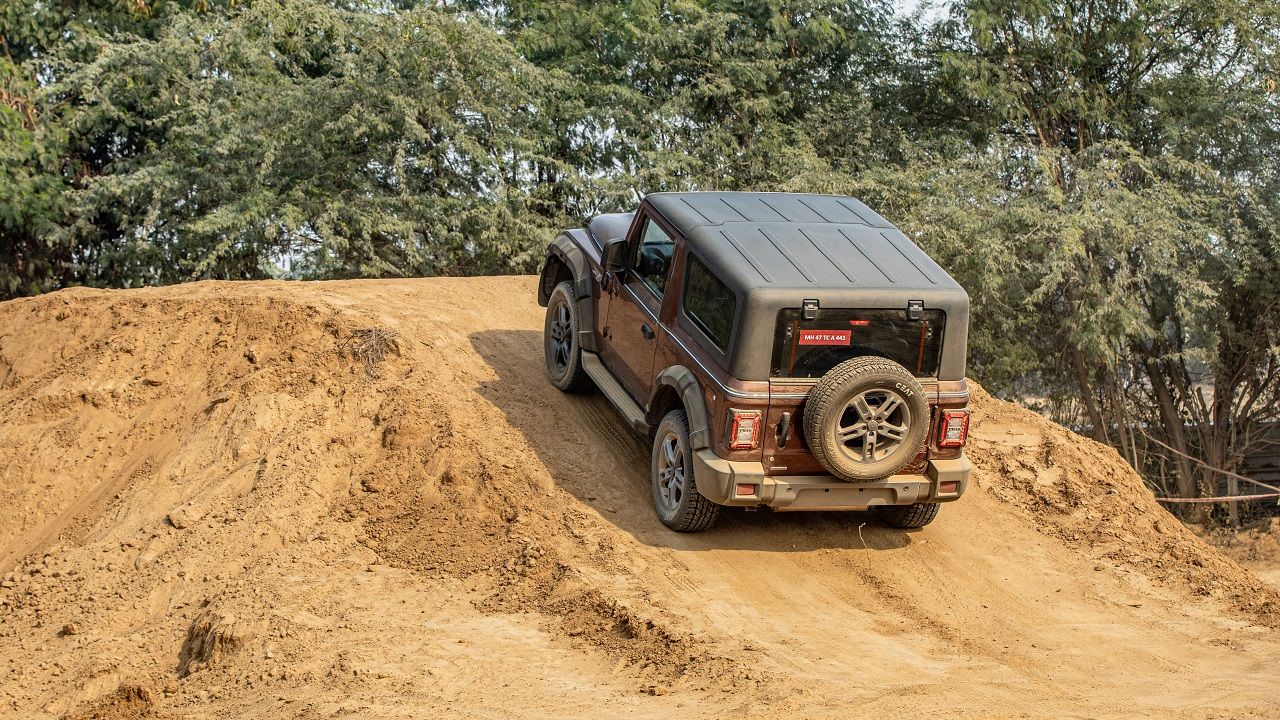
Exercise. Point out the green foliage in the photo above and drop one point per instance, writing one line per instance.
(306, 140)
(31, 200)
(1152, 212)
(315, 139)
(1070, 74)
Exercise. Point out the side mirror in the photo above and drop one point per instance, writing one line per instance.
(614, 255)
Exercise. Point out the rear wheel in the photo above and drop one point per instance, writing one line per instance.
(908, 517)
(675, 490)
(560, 340)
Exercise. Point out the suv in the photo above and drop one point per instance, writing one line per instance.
(784, 351)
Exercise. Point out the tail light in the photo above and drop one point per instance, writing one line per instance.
(953, 431)
(744, 429)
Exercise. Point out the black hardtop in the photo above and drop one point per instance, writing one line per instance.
(611, 226)
(776, 249)
(793, 240)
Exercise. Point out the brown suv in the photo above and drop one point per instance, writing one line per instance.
(788, 351)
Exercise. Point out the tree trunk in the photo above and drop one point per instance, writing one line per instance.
(1218, 450)
(1086, 395)
(1215, 456)
(1174, 430)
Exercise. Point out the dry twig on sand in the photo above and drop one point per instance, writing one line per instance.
(369, 346)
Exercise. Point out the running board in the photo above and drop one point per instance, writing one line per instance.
(631, 412)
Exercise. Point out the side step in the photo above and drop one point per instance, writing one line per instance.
(631, 412)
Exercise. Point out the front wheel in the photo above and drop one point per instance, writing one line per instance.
(675, 490)
(908, 517)
(560, 341)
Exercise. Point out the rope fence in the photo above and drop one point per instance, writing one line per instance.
(1222, 498)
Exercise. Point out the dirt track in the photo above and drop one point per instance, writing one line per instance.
(210, 511)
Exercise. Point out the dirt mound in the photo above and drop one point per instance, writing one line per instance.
(215, 635)
(452, 495)
(1088, 496)
(128, 702)
(1256, 547)
(363, 498)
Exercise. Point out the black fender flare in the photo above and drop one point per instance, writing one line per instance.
(565, 251)
(682, 380)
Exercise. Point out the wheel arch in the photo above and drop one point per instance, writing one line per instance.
(674, 388)
(554, 272)
(567, 261)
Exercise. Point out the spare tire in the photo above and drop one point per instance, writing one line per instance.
(866, 418)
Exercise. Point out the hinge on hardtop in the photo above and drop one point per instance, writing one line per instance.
(915, 309)
(809, 309)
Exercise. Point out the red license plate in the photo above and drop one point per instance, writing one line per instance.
(825, 337)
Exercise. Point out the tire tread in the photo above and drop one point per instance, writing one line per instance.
(699, 513)
(833, 383)
(578, 380)
(908, 517)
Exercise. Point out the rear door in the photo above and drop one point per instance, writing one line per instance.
(805, 348)
(634, 309)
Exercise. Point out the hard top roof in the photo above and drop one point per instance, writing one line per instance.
(794, 240)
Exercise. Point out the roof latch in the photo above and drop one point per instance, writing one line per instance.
(810, 309)
(915, 309)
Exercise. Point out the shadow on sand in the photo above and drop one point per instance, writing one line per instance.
(607, 468)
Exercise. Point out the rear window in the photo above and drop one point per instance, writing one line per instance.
(809, 348)
(708, 302)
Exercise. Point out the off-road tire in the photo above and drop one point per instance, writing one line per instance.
(690, 512)
(828, 407)
(564, 361)
(908, 517)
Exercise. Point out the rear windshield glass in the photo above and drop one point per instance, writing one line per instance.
(809, 348)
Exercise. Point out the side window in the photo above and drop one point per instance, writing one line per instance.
(708, 302)
(653, 256)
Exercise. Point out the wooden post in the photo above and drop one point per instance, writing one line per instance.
(1233, 506)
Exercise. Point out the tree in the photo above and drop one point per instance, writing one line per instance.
(30, 194)
(1132, 139)
(296, 138)
(41, 161)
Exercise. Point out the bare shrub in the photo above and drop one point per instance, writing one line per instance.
(370, 346)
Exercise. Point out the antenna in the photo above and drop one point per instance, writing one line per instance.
(639, 195)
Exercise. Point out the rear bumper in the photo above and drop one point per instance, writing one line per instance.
(718, 479)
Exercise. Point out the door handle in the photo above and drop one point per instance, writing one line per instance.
(646, 331)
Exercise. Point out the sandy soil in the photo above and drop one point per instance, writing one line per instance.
(1256, 547)
(212, 509)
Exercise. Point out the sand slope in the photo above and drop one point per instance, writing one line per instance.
(212, 509)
